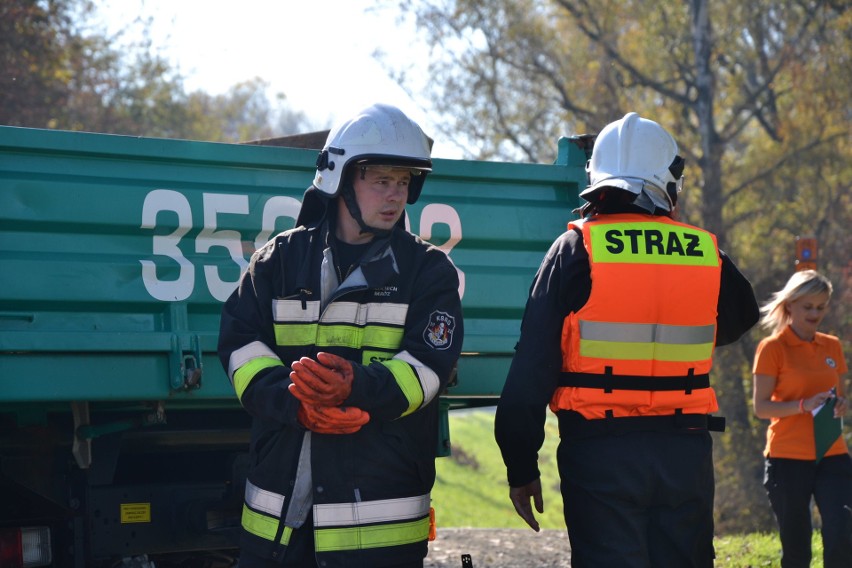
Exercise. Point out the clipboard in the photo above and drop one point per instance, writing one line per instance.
(827, 428)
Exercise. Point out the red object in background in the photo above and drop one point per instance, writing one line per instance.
(806, 253)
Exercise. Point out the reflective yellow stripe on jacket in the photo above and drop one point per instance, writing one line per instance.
(343, 324)
(247, 361)
(377, 329)
(419, 383)
(262, 514)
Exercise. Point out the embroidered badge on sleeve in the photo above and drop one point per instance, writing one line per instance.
(439, 330)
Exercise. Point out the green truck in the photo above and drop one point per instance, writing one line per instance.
(121, 439)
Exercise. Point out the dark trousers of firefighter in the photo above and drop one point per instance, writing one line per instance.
(789, 485)
(639, 499)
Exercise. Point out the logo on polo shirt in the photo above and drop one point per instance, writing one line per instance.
(831, 362)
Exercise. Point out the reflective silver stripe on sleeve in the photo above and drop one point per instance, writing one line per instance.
(244, 354)
(647, 333)
(293, 311)
(367, 512)
(428, 378)
(263, 500)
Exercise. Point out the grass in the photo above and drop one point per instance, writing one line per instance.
(471, 491)
(758, 550)
(471, 488)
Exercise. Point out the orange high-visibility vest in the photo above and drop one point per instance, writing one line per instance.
(642, 345)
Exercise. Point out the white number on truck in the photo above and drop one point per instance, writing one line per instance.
(213, 205)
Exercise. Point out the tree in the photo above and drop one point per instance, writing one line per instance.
(65, 73)
(245, 113)
(756, 94)
(34, 39)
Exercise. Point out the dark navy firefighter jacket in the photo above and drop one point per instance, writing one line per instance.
(398, 318)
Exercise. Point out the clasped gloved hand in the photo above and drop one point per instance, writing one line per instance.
(332, 419)
(326, 381)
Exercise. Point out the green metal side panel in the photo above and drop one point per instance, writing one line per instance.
(117, 252)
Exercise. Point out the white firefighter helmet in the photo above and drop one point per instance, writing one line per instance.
(380, 134)
(637, 155)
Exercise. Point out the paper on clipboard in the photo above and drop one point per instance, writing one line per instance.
(827, 428)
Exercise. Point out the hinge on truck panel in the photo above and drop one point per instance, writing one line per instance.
(82, 447)
(85, 431)
(185, 365)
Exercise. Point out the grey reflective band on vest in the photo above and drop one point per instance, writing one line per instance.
(263, 500)
(369, 512)
(647, 333)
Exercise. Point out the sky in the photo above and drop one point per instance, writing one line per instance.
(318, 53)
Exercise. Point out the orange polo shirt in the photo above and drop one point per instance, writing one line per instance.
(801, 370)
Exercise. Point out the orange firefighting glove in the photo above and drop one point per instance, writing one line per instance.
(332, 419)
(326, 381)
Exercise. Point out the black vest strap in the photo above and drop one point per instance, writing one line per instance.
(574, 424)
(610, 382)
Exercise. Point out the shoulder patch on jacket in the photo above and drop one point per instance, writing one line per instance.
(439, 330)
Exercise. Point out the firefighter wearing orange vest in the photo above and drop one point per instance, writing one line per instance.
(617, 339)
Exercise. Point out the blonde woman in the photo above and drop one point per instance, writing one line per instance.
(796, 370)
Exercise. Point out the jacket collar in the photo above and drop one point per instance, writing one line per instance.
(376, 269)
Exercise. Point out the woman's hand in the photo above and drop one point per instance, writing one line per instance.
(813, 402)
(841, 406)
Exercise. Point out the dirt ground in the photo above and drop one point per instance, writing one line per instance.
(499, 548)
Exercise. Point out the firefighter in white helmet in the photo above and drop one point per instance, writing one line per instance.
(338, 341)
(617, 339)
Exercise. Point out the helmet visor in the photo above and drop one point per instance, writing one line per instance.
(417, 166)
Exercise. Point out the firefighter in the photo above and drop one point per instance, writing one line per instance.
(338, 341)
(617, 338)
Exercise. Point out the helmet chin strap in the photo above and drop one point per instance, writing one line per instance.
(675, 187)
(348, 194)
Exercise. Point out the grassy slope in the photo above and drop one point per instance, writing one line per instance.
(471, 491)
